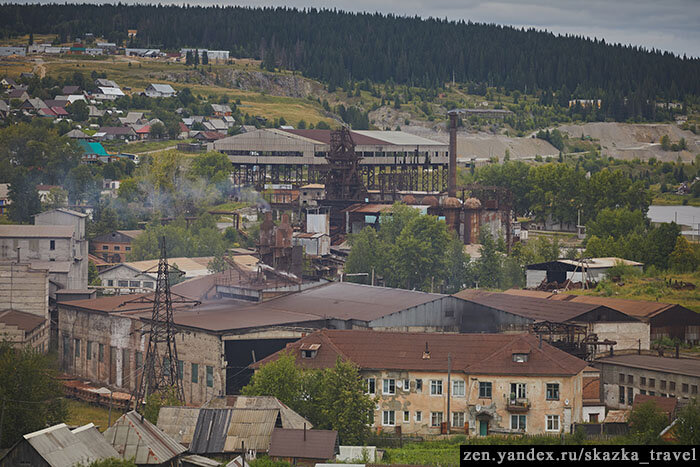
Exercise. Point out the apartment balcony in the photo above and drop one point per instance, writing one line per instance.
(521, 405)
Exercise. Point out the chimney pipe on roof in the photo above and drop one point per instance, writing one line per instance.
(678, 349)
(452, 167)
(540, 341)
(639, 349)
(304, 431)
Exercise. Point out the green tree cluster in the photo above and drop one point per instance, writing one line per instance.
(646, 421)
(30, 393)
(407, 249)
(333, 398)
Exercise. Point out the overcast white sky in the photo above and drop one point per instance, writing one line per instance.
(672, 25)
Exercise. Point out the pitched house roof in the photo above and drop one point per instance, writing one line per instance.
(667, 405)
(478, 353)
(162, 88)
(117, 130)
(26, 322)
(70, 89)
(303, 444)
(59, 446)
(135, 437)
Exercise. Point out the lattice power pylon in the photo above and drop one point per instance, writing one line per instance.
(160, 366)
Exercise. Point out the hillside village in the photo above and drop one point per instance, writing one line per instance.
(235, 285)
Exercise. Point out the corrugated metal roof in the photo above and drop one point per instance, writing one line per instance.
(290, 419)
(94, 440)
(60, 447)
(681, 366)
(211, 432)
(135, 437)
(37, 231)
(398, 138)
(305, 444)
(539, 309)
(179, 423)
(617, 416)
(252, 427)
(199, 461)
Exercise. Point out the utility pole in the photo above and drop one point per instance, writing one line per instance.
(449, 375)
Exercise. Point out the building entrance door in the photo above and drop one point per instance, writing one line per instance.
(483, 427)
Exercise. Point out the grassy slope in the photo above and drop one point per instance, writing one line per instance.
(652, 289)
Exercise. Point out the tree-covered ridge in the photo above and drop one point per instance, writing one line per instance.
(337, 46)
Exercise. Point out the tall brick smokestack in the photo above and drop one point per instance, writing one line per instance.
(452, 178)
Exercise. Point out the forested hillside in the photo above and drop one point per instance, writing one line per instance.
(337, 47)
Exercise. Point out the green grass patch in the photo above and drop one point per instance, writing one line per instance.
(82, 413)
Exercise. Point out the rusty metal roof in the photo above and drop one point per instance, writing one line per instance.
(540, 309)
(617, 416)
(290, 419)
(337, 300)
(26, 322)
(179, 423)
(681, 366)
(304, 444)
(666, 405)
(135, 437)
(471, 353)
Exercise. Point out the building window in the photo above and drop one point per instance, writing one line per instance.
(663, 384)
(195, 373)
(52, 244)
(435, 387)
(123, 283)
(552, 391)
(166, 366)
(371, 386)
(630, 395)
(630, 379)
(180, 369)
(643, 392)
(518, 390)
(76, 342)
(419, 416)
(419, 385)
(642, 381)
(520, 357)
(652, 393)
(388, 418)
(621, 377)
(210, 376)
(552, 422)
(88, 350)
(435, 418)
(389, 386)
(518, 422)
(457, 419)
(406, 385)
(458, 388)
(134, 283)
(406, 416)
(621, 395)
(138, 361)
(101, 353)
(485, 389)
(694, 389)
(148, 284)
(672, 385)
(128, 248)
(110, 283)
(684, 387)
(652, 382)
(105, 247)
(116, 248)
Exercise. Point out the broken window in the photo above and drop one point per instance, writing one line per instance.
(419, 385)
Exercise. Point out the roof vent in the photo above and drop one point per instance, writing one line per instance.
(426, 352)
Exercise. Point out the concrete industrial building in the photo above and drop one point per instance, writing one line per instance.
(56, 242)
(664, 319)
(24, 309)
(297, 156)
(239, 321)
(500, 383)
(625, 376)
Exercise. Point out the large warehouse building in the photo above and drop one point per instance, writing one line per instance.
(296, 156)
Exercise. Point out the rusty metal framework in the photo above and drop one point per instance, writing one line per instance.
(160, 370)
(343, 181)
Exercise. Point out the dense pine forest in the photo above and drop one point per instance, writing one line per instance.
(337, 47)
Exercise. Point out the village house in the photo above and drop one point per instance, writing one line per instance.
(114, 246)
(159, 90)
(118, 132)
(221, 110)
(498, 383)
